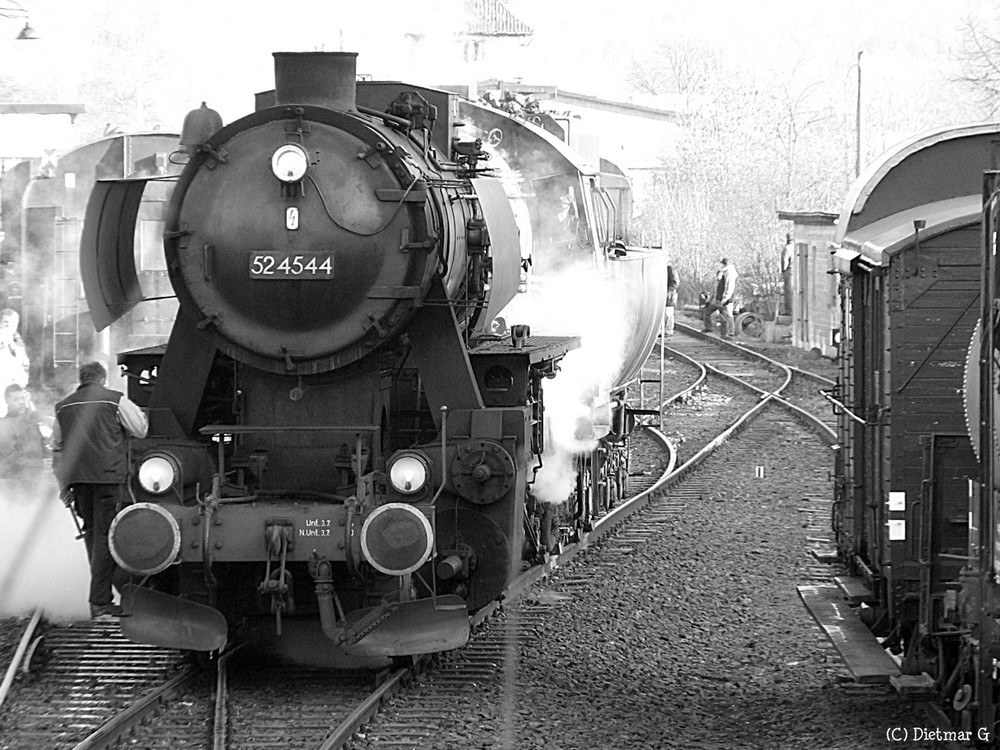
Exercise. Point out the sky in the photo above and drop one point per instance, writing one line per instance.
(219, 50)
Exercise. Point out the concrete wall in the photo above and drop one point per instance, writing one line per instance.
(815, 299)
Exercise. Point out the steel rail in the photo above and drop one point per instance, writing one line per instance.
(220, 720)
(626, 509)
(732, 346)
(797, 410)
(723, 343)
(698, 383)
(601, 528)
(120, 724)
(791, 369)
(671, 474)
(812, 375)
(22, 647)
(220, 726)
(343, 734)
(808, 416)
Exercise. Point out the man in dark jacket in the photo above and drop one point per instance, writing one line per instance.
(22, 447)
(90, 460)
(724, 301)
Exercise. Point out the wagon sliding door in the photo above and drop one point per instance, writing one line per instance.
(868, 333)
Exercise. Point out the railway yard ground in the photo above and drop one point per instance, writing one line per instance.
(691, 634)
(681, 629)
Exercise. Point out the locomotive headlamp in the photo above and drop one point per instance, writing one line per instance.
(144, 538)
(408, 472)
(289, 163)
(158, 472)
(397, 539)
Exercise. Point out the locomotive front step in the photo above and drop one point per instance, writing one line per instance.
(422, 626)
(167, 621)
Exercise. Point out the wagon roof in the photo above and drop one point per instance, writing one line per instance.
(935, 166)
(881, 239)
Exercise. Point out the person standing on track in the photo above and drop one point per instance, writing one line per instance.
(787, 254)
(668, 316)
(90, 460)
(22, 447)
(724, 301)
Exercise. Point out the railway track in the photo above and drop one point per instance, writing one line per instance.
(799, 394)
(790, 387)
(281, 706)
(252, 706)
(119, 695)
(721, 388)
(90, 674)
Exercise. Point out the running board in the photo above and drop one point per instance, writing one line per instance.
(863, 656)
(854, 589)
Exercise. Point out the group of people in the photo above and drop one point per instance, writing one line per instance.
(89, 449)
(722, 301)
(13, 354)
(22, 445)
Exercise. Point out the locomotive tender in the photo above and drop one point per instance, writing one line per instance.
(913, 522)
(337, 435)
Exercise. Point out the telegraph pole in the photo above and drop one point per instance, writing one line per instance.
(857, 122)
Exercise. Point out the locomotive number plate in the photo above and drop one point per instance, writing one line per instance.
(282, 266)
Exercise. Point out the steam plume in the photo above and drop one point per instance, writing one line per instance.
(41, 562)
(578, 301)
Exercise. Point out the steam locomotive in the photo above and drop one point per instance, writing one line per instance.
(915, 512)
(343, 431)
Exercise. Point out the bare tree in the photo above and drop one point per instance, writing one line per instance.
(645, 78)
(980, 58)
(718, 191)
(795, 113)
(120, 87)
(681, 66)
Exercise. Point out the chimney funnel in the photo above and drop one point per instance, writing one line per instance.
(323, 79)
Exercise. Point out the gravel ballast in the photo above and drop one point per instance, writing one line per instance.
(695, 639)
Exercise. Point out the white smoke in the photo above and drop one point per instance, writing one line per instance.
(577, 301)
(42, 564)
